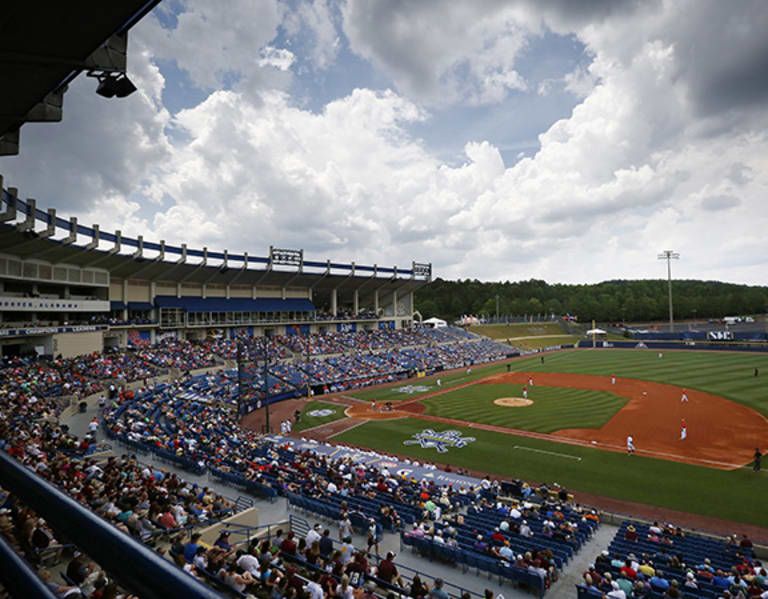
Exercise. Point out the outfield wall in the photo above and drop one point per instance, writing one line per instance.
(657, 345)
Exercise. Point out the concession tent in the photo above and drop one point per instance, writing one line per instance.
(434, 323)
(591, 332)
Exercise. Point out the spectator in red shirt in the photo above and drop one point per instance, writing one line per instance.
(288, 546)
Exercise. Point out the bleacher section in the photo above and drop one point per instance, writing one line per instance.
(697, 566)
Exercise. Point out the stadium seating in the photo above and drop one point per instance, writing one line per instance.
(652, 558)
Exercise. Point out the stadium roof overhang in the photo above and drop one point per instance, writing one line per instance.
(128, 258)
(43, 47)
(27, 245)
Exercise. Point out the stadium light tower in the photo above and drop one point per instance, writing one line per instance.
(670, 255)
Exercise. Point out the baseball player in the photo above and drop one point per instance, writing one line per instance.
(684, 397)
(530, 381)
(683, 430)
(525, 392)
(613, 379)
(373, 405)
(630, 445)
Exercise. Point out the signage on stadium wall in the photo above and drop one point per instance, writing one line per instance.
(441, 441)
(720, 335)
(28, 332)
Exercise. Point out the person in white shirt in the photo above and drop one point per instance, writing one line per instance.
(313, 535)
(314, 589)
(525, 530)
(249, 563)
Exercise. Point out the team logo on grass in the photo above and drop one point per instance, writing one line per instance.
(429, 439)
(321, 413)
(411, 389)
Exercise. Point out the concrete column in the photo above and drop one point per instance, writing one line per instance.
(334, 302)
(355, 301)
(125, 299)
(227, 291)
(204, 290)
(253, 292)
(66, 291)
(178, 289)
(283, 292)
(153, 313)
(394, 303)
(376, 301)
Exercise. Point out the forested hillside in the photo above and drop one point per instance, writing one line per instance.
(607, 301)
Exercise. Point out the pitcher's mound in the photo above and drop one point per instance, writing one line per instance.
(512, 402)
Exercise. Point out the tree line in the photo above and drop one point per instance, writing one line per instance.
(621, 300)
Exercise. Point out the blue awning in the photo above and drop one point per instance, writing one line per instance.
(116, 305)
(218, 304)
(140, 306)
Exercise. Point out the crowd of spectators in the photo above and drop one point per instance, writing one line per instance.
(662, 560)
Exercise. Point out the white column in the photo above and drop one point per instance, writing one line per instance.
(334, 302)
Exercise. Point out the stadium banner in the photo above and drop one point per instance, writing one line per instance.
(138, 338)
(346, 327)
(293, 330)
(51, 330)
(387, 324)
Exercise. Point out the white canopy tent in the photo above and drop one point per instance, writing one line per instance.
(434, 323)
(591, 332)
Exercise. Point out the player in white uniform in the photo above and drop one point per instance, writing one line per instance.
(630, 445)
(525, 392)
(530, 381)
(684, 397)
(613, 379)
(683, 430)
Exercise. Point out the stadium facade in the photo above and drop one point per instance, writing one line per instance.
(68, 289)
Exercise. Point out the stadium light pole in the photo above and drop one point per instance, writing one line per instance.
(670, 255)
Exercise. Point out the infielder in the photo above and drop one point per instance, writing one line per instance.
(630, 445)
(613, 379)
(684, 397)
(683, 430)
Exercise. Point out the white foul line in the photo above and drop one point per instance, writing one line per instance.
(560, 455)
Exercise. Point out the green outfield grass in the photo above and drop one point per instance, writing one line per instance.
(553, 408)
(736, 495)
(425, 385)
(312, 421)
(526, 329)
(540, 342)
(729, 374)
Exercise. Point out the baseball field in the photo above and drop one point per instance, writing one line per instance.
(566, 418)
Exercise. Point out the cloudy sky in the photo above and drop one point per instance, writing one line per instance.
(569, 140)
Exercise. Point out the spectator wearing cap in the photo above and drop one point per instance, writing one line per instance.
(388, 570)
